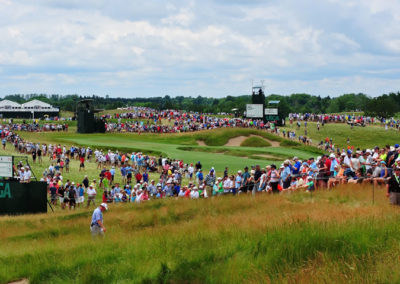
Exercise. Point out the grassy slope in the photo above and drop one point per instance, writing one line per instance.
(363, 137)
(337, 236)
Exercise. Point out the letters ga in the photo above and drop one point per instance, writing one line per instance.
(5, 190)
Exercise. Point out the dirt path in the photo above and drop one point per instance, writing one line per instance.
(201, 143)
(22, 281)
(235, 142)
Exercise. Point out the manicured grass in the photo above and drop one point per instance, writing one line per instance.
(171, 145)
(333, 236)
(255, 142)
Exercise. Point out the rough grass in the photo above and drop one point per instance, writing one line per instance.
(220, 137)
(255, 142)
(337, 236)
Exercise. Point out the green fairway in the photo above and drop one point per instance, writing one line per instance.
(171, 145)
(362, 137)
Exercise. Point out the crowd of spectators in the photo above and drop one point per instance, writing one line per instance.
(125, 177)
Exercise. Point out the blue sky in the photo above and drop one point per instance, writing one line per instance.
(211, 48)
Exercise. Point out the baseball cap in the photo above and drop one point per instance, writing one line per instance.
(104, 205)
(396, 146)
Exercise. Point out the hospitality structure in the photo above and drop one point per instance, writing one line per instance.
(31, 109)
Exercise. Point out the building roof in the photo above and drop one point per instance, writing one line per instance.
(34, 103)
(5, 103)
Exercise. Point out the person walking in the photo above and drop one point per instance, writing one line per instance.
(393, 187)
(97, 226)
(209, 181)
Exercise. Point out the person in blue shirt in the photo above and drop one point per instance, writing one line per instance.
(285, 175)
(96, 226)
(145, 176)
(123, 173)
(112, 172)
(296, 166)
(200, 176)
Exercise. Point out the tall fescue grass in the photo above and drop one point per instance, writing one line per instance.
(255, 142)
(328, 236)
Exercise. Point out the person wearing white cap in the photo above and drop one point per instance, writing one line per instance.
(97, 226)
(28, 175)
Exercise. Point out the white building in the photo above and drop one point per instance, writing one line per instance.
(34, 108)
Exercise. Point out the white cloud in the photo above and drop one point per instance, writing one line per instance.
(219, 47)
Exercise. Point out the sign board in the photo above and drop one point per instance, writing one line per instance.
(272, 117)
(271, 111)
(254, 110)
(6, 166)
(21, 198)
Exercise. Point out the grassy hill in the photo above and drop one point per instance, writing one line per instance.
(332, 236)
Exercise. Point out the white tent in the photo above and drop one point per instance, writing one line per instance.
(6, 104)
(36, 105)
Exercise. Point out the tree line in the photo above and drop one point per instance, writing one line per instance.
(385, 105)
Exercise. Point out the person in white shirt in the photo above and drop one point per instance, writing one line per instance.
(228, 185)
(194, 194)
(21, 175)
(28, 175)
(91, 192)
(190, 171)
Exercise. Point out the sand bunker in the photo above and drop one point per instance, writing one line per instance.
(201, 143)
(22, 281)
(235, 142)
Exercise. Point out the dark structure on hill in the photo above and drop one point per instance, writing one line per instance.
(258, 109)
(87, 122)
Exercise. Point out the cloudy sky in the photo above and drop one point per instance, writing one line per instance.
(129, 48)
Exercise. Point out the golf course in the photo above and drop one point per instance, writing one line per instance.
(349, 234)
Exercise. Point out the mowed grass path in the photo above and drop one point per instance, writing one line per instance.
(336, 236)
(362, 137)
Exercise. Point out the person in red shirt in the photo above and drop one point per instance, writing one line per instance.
(82, 162)
(107, 175)
(138, 177)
